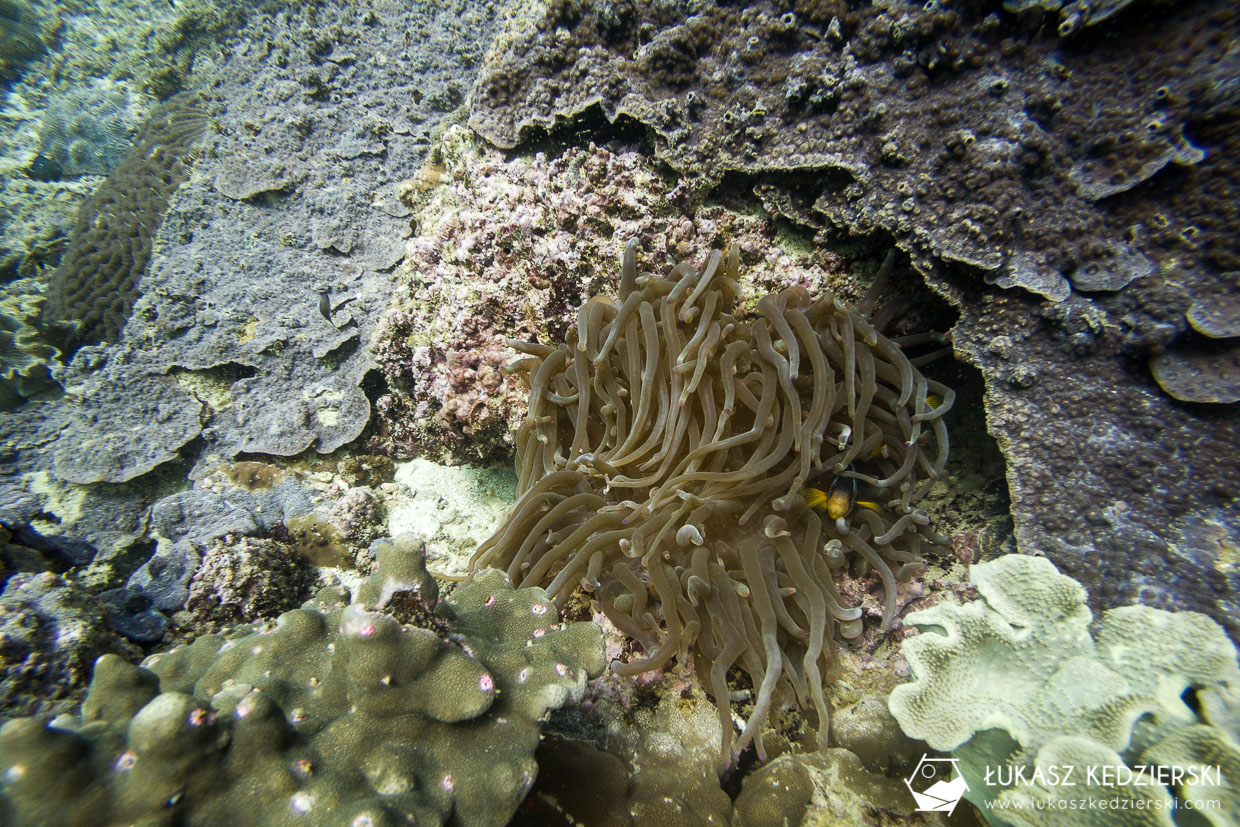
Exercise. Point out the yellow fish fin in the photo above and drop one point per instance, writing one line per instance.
(815, 498)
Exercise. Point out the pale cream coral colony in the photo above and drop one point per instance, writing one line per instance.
(662, 466)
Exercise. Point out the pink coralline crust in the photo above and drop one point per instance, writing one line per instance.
(358, 515)
(629, 692)
(511, 249)
(967, 546)
(867, 593)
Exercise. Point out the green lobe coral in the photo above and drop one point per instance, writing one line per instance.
(334, 714)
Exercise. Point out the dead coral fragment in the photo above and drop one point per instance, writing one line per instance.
(662, 462)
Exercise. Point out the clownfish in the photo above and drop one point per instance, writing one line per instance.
(838, 500)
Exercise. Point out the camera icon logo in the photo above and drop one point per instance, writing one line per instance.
(948, 785)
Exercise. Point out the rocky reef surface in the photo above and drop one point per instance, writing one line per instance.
(311, 310)
(1090, 171)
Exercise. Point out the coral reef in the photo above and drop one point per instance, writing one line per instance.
(1206, 368)
(110, 519)
(306, 135)
(22, 39)
(205, 532)
(1073, 16)
(1016, 678)
(289, 370)
(25, 362)
(36, 219)
(232, 352)
(335, 711)
(107, 433)
(664, 463)
(978, 143)
(932, 124)
(340, 218)
(1206, 372)
(1119, 485)
(657, 766)
(826, 787)
(94, 288)
(120, 49)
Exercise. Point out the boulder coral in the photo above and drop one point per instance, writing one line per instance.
(337, 713)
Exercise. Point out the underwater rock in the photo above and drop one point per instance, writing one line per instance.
(1017, 677)
(241, 579)
(868, 731)
(825, 787)
(31, 494)
(206, 514)
(42, 553)
(453, 507)
(334, 709)
(674, 751)
(194, 531)
(1116, 483)
(51, 631)
(950, 129)
(130, 614)
(164, 579)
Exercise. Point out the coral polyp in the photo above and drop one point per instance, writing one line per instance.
(662, 464)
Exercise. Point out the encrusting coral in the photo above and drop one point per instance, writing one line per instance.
(664, 460)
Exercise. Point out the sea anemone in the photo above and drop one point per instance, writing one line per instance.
(663, 464)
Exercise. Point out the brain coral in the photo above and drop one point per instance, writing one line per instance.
(663, 465)
(97, 282)
(335, 714)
